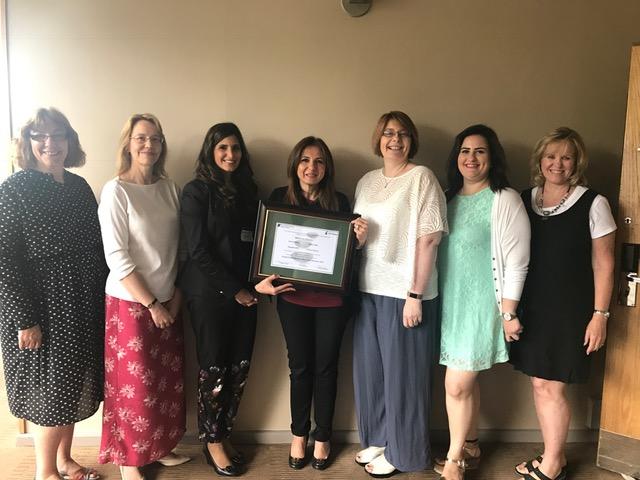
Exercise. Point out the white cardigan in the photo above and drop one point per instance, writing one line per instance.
(510, 244)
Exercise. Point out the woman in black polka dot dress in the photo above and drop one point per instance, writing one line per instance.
(52, 275)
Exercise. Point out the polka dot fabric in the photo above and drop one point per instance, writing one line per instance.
(52, 274)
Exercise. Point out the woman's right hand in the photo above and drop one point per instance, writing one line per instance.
(267, 287)
(360, 228)
(161, 316)
(245, 298)
(30, 338)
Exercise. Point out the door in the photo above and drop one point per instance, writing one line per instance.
(619, 440)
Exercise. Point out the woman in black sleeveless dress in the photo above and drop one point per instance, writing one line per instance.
(565, 302)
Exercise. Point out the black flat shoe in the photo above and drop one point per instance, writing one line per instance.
(228, 471)
(320, 463)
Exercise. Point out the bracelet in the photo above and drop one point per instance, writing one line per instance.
(414, 295)
(604, 313)
(153, 302)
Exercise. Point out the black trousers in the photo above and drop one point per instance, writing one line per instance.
(225, 333)
(313, 336)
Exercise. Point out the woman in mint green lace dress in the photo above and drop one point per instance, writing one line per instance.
(483, 265)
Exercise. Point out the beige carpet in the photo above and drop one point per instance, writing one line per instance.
(270, 462)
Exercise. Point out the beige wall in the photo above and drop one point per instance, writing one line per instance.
(283, 69)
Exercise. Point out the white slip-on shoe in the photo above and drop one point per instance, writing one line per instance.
(380, 468)
(368, 455)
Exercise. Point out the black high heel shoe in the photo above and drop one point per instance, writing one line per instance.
(298, 463)
(238, 458)
(321, 463)
(228, 471)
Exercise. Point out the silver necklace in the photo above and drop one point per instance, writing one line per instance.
(540, 201)
(387, 180)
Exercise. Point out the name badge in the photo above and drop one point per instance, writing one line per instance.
(246, 235)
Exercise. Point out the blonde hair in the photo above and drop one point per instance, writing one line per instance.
(123, 160)
(23, 154)
(561, 134)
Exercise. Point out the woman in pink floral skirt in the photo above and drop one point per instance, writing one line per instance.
(144, 411)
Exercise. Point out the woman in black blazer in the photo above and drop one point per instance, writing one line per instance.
(218, 213)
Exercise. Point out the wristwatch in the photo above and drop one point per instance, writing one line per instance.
(153, 302)
(417, 296)
(604, 313)
(507, 317)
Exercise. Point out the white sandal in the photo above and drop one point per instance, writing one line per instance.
(368, 455)
(380, 468)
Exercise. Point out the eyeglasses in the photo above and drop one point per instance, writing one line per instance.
(388, 133)
(42, 137)
(142, 139)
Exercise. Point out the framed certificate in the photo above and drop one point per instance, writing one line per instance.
(306, 248)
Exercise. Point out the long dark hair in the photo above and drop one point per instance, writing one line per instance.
(240, 183)
(326, 189)
(497, 160)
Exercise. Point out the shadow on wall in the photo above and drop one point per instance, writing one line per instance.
(350, 167)
(603, 175)
(435, 145)
(518, 170)
(269, 163)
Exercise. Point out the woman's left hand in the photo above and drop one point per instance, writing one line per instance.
(266, 286)
(360, 228)
(412, 312)
(30, 338)
(512, 330)
(596, 333)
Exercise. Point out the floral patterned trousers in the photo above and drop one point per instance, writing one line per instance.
(224, 333)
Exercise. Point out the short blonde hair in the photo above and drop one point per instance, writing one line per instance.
(123, 160)
(560, 134)
(23, 154)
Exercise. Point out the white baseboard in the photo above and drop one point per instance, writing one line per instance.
(266, 437)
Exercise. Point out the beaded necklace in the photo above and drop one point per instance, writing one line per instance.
(540, 201)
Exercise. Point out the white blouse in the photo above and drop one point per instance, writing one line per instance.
(140, 227)
(601, 221)
(399, 210)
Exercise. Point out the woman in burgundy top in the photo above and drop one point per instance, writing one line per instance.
(313, 322)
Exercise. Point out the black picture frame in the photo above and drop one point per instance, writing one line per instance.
(283, 231)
